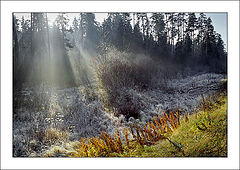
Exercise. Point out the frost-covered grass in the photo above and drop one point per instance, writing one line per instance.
(71, 113)
(202, 134)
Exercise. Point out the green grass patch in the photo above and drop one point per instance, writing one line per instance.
(203, 134)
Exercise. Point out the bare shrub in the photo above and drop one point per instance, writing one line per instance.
(117, 72)
(116, 69)
(126, 103)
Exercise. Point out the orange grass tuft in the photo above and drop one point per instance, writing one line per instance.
(146, 135)
(126, 137)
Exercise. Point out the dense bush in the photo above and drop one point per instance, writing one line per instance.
(117, 72)
(116, 69)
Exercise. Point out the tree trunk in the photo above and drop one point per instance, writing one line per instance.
(49, 52)
(32, 35)
(133, 19)
(15, 52)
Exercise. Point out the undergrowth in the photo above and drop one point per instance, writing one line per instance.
(116, 72)
(202, 134)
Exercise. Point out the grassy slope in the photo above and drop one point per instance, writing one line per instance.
(202, 134)
(191, 137)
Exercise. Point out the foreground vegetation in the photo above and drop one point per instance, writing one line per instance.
(201, 134)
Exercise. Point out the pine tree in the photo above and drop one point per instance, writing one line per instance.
(15, 52)
(159, 33)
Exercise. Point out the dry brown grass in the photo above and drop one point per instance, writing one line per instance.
(149, 134)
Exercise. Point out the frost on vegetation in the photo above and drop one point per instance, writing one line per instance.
(37, 110)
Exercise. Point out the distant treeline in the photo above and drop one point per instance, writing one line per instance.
(42, 53)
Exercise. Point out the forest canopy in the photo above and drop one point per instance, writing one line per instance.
(61, 53)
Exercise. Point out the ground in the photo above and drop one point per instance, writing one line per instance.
(73, 114)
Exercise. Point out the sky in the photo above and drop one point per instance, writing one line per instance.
(219, 21)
